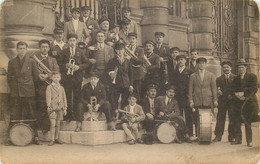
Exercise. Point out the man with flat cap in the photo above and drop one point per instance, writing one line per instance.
(202, 89)
(120, 76)
(181, 77)
(152, 71)
(76, 27)
(57, 45)
(133, 24)
(226, 102)
(90, 22)
(244, 89)
(167, 108)
(137, 63)
(123, 33)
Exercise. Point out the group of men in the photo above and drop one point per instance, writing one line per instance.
(95, 61)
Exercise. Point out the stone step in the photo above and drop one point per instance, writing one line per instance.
(88, 138)
(91, 126)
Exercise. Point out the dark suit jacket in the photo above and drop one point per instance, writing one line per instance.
(182, 85)
(21, 81)
(124, 77)
(162, 52)
(202, 93)
(90, 22)
(249, 85)
(171, 109)
(80, 59)
(192, 67)
(225, 87)
(52, 63)
(59, 56)
(146, 105)
(87, 91)
(82, 31)
(171, 70)
(153, 70)
(123, 37)
(138, 68)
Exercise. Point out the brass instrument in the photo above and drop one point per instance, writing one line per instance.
(42, 68)
(128, 113)
(71, 69)
(130, 53)
(114, 80)
(93, 103)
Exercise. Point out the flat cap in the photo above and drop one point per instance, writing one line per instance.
(86, 8)
(132, 34)
(103, 19)
(175, 49)
(82, 45)
(151, 86)
(119, 45)
(94, 74)
(170, 87)
(181, 57)
(72, 36)
(149, 42)
(58, 31)
(226, 63)
(75, 10)
(133, 95)
(159, 33)
(201, 59)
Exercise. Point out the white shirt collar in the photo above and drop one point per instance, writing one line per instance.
(132, 108)
(101, 45)
(227, 75)
(167, 99)
(44, 56)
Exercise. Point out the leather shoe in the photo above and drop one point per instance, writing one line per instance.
(51, 143)
(138, 140)
(249, 144)
(177, 140)
(235, 143)
(36, 141)
(216, 139)
(131, 142)
(59, 141)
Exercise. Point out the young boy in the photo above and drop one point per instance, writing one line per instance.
(131, 119)
(57, 106)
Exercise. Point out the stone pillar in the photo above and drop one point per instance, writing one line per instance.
(155, 18)
(200, 14)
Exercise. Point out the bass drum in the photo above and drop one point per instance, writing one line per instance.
(21, 134)
(165, 132)
(205, 125)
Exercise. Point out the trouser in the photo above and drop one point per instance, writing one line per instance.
(114, 95)
(4, 107)
(105, 108)
(42, 117)
(188, 116)
(55, 129)
(148, 125)
(137, 84)
(72, 89)
(221, 119)
(237, 124)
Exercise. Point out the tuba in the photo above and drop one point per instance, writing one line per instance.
(42, 68)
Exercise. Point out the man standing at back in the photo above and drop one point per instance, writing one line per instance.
(90, 22)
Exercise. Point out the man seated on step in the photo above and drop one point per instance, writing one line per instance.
(166, 108)
(97, 90)
(131, 119)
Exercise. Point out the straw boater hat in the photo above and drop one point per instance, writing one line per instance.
(242, 62)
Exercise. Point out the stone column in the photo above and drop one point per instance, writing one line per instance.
(155, 18)
(200, 14)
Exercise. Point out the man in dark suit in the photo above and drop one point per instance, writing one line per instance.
(76, 27)
(166, 108)
(160, 49)
(202, 90)
(123, 33)
(137, 63)
(90, 22)
(182, 77)
(246, 105)
(172, 64)
(51, 64)
(120, 77)
(74, 64)
(226, 102)
(21, 76)
(152, 75)
(102, 53)
(148, 104)
(94, 89)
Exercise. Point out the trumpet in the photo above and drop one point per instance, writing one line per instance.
(130, 53)
(114, 80)
(71, 69)
(42, 68)
(93, 103)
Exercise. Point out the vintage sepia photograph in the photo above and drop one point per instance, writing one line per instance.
(129, 82)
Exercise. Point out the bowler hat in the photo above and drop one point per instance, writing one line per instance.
(159, 33)
(241, 62)
(75, 10)
(226, 63)
(180, 57)
(201, 59)
(149, 42)
(86, 8)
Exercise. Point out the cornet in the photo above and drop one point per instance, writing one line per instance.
(71, 69)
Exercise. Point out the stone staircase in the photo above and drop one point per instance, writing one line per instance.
(93, 133)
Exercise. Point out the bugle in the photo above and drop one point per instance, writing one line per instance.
(123, 111)
(71, 68)
(114, 80)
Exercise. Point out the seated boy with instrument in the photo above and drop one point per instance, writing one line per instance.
(133, 114)
(166, 108)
